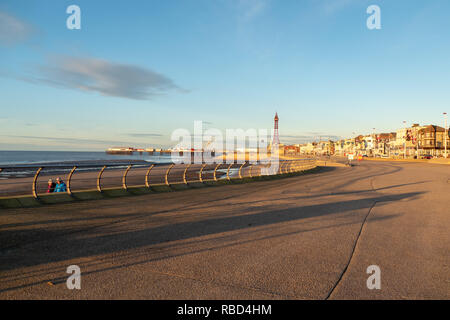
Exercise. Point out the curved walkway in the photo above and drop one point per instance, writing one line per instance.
(305, 237)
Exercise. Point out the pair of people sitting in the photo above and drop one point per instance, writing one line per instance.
(59, 186)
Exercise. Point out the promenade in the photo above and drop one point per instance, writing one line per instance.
(304, 237)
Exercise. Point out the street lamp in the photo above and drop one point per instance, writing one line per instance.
(373, 142)
(445, 135)
(354, 142)
(404, 141)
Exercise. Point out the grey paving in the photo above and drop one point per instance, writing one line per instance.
(305, 237)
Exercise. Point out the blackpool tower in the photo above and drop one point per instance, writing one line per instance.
(276, 138)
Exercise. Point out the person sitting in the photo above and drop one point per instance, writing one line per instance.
(60, 185)
(51, 186)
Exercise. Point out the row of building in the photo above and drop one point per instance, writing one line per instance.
(414, 142)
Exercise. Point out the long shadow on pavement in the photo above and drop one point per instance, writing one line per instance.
(67, 248)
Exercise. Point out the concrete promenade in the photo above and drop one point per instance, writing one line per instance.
(304, 237)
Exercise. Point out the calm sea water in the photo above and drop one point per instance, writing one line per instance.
(13, 158)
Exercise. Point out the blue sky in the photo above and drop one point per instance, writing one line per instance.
(138, 70)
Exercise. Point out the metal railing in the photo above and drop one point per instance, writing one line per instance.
(19, 181)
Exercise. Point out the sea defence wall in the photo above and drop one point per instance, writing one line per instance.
(28, 186)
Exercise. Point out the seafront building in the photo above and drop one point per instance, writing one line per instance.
(417, 141)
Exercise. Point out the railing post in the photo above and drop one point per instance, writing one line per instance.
(167, 174)
(35, 195)
(69, 177)
(99, 178)
(261, 166)
(268, 167)
(293, 166)
(240, 169)
(124, 178)
(250, 171)
(285, 165)
(184, 173)
(228, 172)
(200, 173)
(147, 181)
(287, 168)
(282, 163)
(215, 169)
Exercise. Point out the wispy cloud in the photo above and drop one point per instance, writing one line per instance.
(250, 9)
(70, 140)
(104, 77)
(144, 135)
(309, 137)
(13, 30)
(333, 6)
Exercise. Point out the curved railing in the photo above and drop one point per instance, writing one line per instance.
(28, 180)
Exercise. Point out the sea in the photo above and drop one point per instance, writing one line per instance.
(24, 163)
(14, 158)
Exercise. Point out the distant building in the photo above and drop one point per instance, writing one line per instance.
(431, 140)
(383, 143)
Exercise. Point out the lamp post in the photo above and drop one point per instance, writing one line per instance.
(404, 139)
(445, 135)
(354, 142)
(373, 142)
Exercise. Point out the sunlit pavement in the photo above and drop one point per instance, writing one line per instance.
(305, 237)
